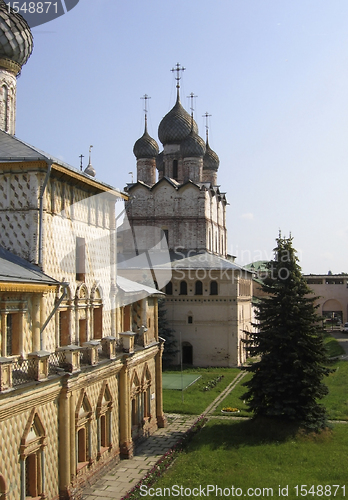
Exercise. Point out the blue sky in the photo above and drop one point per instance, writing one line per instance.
(273, 74)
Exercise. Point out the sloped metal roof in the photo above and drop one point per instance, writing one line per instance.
(13, 149)
(14, 269)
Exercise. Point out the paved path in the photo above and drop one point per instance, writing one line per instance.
(122, 477)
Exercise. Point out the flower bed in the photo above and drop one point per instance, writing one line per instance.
(230, 411)
(166, 460)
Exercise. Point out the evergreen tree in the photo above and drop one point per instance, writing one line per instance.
(167, 333)
(287, 378)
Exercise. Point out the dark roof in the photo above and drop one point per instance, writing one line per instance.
(14, 269)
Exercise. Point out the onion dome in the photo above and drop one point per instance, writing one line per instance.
(145, 147)
(159, 162)
(210, 160)
(176, 125)
(192, 145)
(16, 39)
(89, 170)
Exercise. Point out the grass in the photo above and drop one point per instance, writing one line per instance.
(333, 347)
(336, 402)
(255, 454)
(195, 398)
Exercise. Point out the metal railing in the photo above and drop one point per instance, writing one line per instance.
(22, 371)
(58, 363)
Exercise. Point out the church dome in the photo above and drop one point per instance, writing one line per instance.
(176, 125)
(192, 145)
(145, 147)
(210, 160)
(16, 39)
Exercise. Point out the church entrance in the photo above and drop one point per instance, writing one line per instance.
(187, 353)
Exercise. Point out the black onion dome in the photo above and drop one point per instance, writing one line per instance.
(145, 147)
(16, 39)
(192, 145)
(210, 160)
(176, 125)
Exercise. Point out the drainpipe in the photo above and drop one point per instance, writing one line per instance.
(42, 191)
(60, 300)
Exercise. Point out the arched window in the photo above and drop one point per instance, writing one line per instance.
(213, 288)
(169, 288)
(183, 288)
(198, 288)
(5, 106)
(175, 169)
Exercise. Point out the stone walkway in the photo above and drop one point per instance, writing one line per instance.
(122, 477)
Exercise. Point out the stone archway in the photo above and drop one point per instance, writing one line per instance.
(332, 310)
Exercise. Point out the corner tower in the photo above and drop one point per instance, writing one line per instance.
(16, 45)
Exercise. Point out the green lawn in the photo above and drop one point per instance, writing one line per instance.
(195, 399)
(336, 401)
(333, 347)
(253, 454)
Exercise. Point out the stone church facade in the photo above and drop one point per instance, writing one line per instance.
(80, 365)
(208, 298)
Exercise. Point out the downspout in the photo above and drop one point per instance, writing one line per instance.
(42, 191)
(54, 310)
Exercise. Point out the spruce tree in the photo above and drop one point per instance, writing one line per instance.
(287, 338)
(167, 333)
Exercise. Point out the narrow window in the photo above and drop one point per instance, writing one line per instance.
(169, 288)
(190, 320)
(82, 445)
(64, 328)
(80, 259)
(32, 475)
(5, 106)
(82, 331)
(198, 288)
(213, 288)
(175, 170)
(12, 334)
(9, 334)
(103, 431)
(183, 288)
(98, 322)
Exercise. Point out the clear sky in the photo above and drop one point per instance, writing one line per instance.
(272, 73)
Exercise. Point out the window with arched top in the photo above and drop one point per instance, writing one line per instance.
(198, 288)
(104, 419)
(183, 288)
(169, 288)
(32, 452)
(213, 288)
(5, 106)
(83, 418)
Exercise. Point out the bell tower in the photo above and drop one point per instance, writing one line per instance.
(16, 45)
